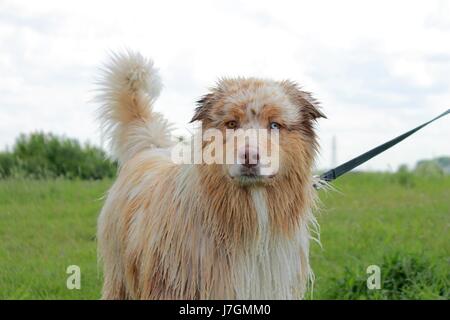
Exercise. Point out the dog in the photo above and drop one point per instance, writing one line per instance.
(205, 231)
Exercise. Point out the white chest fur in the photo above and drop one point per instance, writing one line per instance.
(274, 267)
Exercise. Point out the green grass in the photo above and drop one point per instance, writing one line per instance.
(384, 220)
(45, 226)
(397, 222)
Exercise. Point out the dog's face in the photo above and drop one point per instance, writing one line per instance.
(271, 125)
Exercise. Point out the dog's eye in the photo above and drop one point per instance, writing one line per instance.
(275, 125)
(231, 124)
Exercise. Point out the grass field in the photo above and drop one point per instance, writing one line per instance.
(400, 223)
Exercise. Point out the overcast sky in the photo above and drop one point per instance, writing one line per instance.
(378, 67)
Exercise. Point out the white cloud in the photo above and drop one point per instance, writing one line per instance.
(379, 68)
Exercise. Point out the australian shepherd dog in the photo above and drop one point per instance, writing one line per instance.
(195, 230)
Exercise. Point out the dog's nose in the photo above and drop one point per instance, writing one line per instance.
(249, 157)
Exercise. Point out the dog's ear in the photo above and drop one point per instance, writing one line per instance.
(204, 104)
(309, 106)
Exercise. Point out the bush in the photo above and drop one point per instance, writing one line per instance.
(429, 168)
(41, 155)
(7, 164)
(404, 177)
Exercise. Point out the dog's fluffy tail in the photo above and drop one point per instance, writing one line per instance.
(128, 87)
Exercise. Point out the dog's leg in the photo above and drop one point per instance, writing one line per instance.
(114, 289)
(109, 252)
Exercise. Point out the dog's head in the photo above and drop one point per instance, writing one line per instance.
(269, 125)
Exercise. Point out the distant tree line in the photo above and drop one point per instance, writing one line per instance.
(434, 167)
(440, 165)
(45, 155)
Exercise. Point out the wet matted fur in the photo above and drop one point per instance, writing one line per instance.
(171, 231)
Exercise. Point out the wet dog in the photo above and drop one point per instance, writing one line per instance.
(206, 231)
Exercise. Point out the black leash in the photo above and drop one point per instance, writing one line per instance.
(349, 165)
